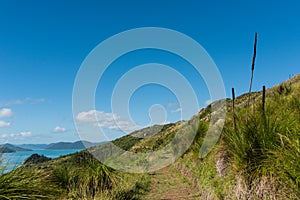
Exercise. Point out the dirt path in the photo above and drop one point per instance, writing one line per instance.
(168, 183)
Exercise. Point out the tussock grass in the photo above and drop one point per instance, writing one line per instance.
(27, 184)
(257, 159)
(264, 152)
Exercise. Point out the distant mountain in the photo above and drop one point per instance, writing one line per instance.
(9, 148)
(71, 145)
(60, 145)
(33, 146)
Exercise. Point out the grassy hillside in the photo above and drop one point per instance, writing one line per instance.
(257, 159)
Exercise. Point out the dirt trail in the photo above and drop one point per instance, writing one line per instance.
(169, 183)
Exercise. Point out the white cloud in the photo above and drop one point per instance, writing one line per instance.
(27, 100)
(25, 134)
(16, 135)
(176, 110)
(59, 129)
(94, 115)
(4, 124)
(106, 120)
(5, 112)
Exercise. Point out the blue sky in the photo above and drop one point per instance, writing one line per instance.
(43, 43)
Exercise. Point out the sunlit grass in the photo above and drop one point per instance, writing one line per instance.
(257, 159)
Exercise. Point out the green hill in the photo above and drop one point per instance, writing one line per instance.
(257, 159)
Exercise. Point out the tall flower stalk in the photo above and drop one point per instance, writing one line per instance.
(252, 74)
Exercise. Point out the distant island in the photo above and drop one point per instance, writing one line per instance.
(9, 148)
(12, 148)
(71, 145)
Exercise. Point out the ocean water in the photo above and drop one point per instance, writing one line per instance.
(12, 160)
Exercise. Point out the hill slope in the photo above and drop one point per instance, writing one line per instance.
(257, 159)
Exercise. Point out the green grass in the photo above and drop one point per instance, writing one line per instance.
(259, 159)
(256, 160)
(264, 153)
(27, 184)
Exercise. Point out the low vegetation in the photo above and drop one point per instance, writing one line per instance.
(258, 158)
(253, 159)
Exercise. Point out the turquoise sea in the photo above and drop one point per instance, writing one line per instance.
(12, 160)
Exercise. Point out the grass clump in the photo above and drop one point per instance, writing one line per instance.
(264, 152)
(27, 184)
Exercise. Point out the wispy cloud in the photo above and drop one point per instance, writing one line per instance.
(5, 112)
(59, 129)
(4, 124)
(27, 100)
(36, 101)
(16, 135)
(12, 102)
(108, 120)
(172, 104)
(176, 110)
